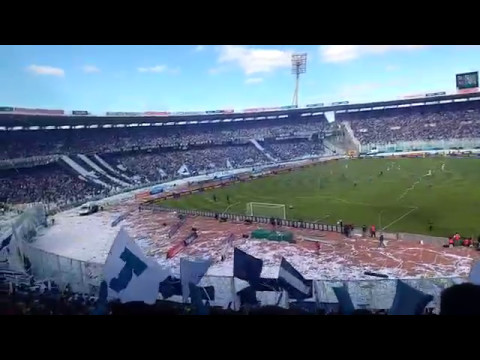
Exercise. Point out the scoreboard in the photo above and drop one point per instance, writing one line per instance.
(467, 80)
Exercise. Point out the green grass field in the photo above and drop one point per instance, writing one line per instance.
(449, 199)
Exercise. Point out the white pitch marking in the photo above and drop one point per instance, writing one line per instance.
(400, 218)
(229, 206)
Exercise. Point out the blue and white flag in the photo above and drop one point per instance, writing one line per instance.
(474, 276)
(192, 272)
(5, 242)
(197, 302)
(344, 300)
(408, 300)
(101, 308)
(293, 282)
(183, 170)
(130, 275)
(246, 267)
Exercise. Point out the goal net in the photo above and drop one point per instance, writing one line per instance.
(266, 210)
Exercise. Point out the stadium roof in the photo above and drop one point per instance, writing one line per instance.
(20, 119)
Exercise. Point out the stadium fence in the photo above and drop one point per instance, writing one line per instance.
(85, 276)
(246, 218)
(406, 146)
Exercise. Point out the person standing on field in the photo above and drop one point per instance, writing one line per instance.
(373, 231)
(381, 244)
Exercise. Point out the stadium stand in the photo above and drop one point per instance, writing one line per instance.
(67, 166)
(429, 122)
(100, 160)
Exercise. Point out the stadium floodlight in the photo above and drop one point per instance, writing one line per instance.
(299, 66)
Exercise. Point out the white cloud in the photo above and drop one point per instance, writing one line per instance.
(88, 69)
(216, 70)
(253, 60)
(391, 68)
(343, 53)
(154, 69)
(174, 71)
(253, 80)
(200, 48)
(46, 70)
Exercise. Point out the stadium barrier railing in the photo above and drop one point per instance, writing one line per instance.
(85, 276)
(242, 218)
(405, 146)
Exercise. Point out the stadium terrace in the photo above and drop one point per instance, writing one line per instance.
(217, 168)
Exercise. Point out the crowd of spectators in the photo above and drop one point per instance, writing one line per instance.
(148, 164)
(294, 149)
(44, 299)
(148, 153)
(54, 183)
(418, 123)
(105, 140)
(459, 299)
(48, 183)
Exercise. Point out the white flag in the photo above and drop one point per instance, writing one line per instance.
(129, 274)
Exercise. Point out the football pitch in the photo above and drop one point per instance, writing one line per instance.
(398, 195)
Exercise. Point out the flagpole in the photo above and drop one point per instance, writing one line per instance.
(234, 295)
(315, 293)
(287, 299)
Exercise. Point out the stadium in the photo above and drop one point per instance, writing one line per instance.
(305, 184)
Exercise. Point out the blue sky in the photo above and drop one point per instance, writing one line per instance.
(101, 78)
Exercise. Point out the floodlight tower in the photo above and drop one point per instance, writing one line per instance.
(299, 66)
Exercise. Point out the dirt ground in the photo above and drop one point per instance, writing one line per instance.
(316, 254)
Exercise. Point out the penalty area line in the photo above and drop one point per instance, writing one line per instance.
(229, 206)
(400, 218)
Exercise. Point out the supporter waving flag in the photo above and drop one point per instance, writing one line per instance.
(474, 276)
(246, 267)
(293, 282)
(130, 275)
(191, 272)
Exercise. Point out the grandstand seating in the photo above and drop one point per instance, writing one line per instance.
(38, 165)
(64, 166)
(429, 122)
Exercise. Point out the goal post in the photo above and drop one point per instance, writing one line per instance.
(267, 210)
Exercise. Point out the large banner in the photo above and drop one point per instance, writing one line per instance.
(80, 112)
(339, 103)
(467, 91)
(119, 113)
(414, 96)
(156, 113)
(252, 110)
(440, 93)
(6, 109)
(289, 107)
(188, 113)
(39, 111)
(315, 105)
(229, 111)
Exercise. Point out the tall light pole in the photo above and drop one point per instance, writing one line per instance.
(299, 66)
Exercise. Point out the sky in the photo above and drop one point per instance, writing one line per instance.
(100, 78)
